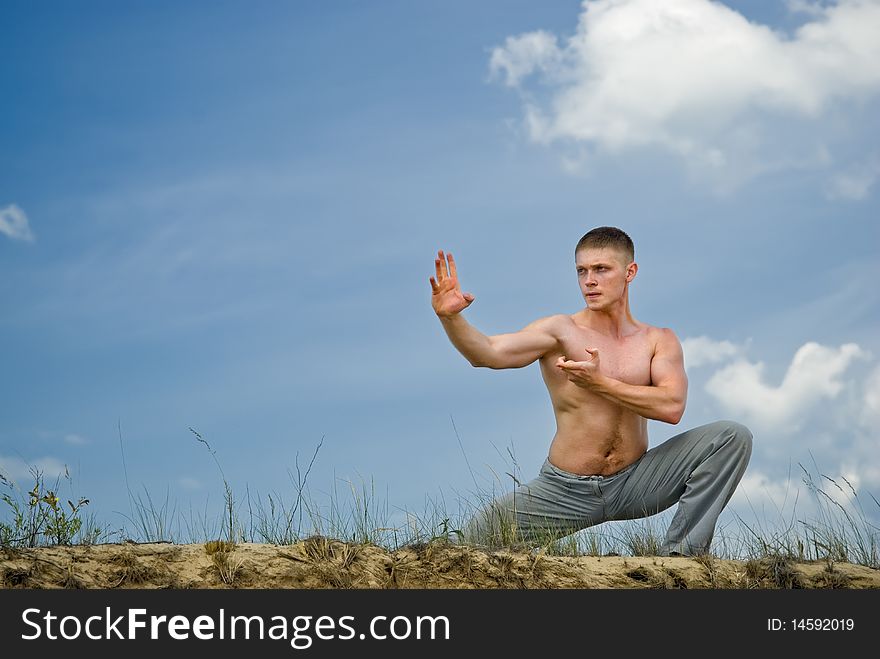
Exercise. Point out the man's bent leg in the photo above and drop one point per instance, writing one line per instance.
(699, 469)
(552, 506)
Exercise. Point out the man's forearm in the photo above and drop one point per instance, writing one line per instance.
(649, 401)
(467, 339)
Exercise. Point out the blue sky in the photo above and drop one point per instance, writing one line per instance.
(224, 216)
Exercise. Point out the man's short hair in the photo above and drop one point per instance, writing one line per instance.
(601, 237)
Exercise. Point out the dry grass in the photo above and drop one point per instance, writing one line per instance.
(320, 562)
(355, 542)
(227, 565)
(130, 570)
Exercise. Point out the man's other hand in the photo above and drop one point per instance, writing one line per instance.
(446, 296)
(584, 374)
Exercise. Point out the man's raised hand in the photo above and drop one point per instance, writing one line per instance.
(446, 296)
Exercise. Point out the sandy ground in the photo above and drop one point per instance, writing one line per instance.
(323, 563)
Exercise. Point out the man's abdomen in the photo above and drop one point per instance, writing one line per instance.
(596, 448)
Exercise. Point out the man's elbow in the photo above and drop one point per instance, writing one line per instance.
(480, 362)
(674, 414)
(673, 418)
(494, 365)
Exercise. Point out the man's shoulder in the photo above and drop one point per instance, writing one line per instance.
(555, 324)
(666, 333)
(553, 320)
(664, 339)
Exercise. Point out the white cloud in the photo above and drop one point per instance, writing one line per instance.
(20, 471)
(701, 350)
(14, 224)
(76, 440)
(854, 184)
(759, 493)
(523, 55)
(696, 78)
(857, 451)
(870, 416)
(805, 7)
(813, 375)
(864, 474)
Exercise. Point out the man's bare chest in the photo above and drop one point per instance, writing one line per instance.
(627, 359)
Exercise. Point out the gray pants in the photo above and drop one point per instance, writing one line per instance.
(698, 469)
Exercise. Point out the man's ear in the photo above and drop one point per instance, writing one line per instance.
(631, 271)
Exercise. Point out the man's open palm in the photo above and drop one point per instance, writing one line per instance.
(446, 296)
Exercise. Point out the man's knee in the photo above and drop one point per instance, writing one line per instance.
(738, 436)
(740, 433)
(733, 430)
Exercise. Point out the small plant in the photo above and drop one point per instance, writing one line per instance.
(62, 527)
(28, 519)
(129, 570)
(282, 523)
(711, 567)
(445, 531)
(774, 571)
(231, 523)
(221, 552)
(43, 515)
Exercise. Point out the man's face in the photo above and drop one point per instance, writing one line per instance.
(602, 275)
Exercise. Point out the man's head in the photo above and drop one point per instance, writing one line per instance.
(604, 258)
(608, 237)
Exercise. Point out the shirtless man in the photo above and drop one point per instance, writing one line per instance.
(607, 374)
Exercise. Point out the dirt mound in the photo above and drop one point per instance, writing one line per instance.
(320, 562)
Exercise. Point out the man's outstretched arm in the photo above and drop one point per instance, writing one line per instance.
(501, 351)
(513, 350)
(664, 399)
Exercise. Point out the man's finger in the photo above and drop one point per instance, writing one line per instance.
(452, 271)
(443, 265)
(438, 268)
(434, 286)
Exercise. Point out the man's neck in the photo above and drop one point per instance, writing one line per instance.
(615, 322)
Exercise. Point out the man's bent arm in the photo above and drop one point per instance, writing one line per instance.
(513, 350)
(650, 401)
(665, 399)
